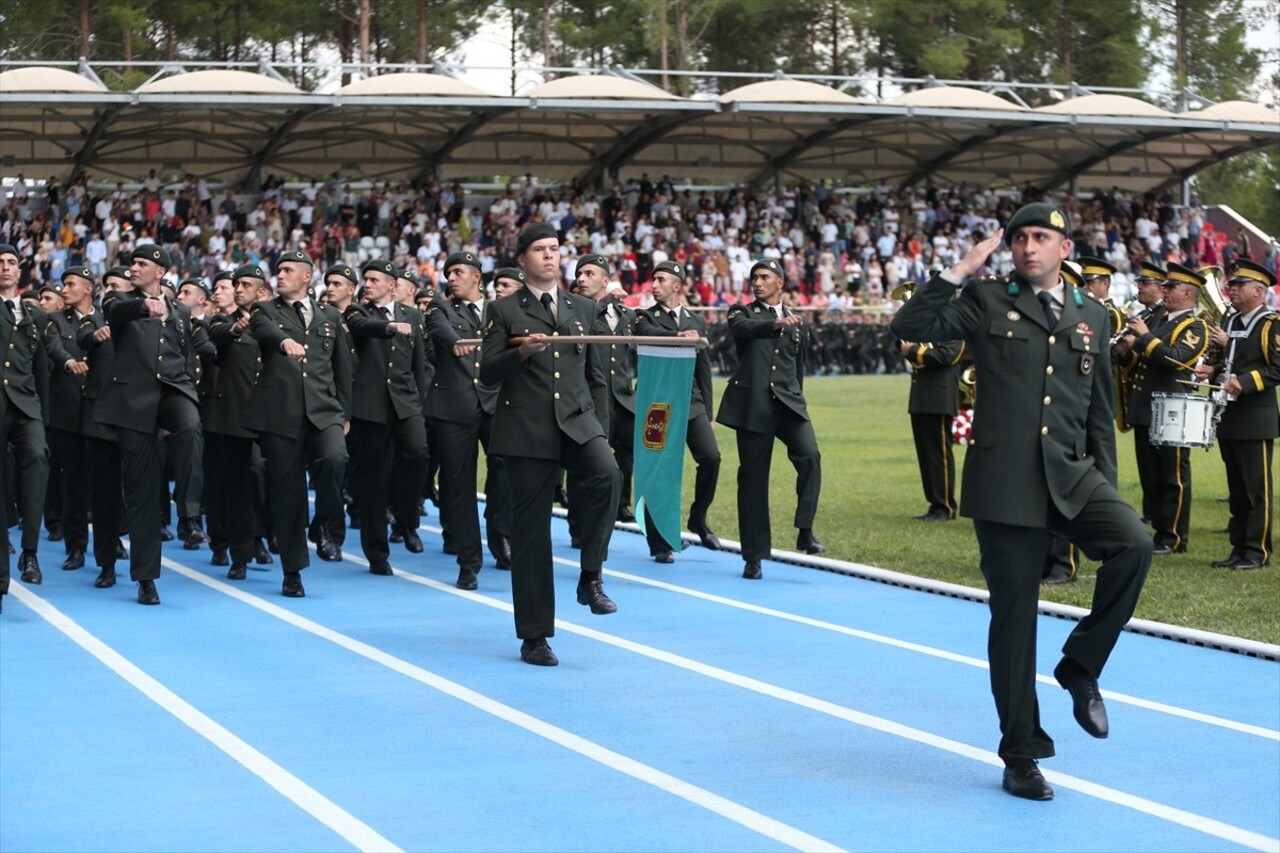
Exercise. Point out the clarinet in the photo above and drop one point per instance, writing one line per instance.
(1144, 316)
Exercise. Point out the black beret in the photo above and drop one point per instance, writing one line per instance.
(222, 275)
(406, 274)
(1245, 271)
(54, 286)
(460, 259)
(1094, 267)
(342, 271)
(1041, 214)
(248, 271)
(514, 273)
(82, 272)
(768, 265)
(118, 272)
(382, 266)
(295, 257)
(593, 261)
(194, 282)
(424, 293)
(30, 293)
(154, 253)
(6, 249)
(675, 269)
(534, 233)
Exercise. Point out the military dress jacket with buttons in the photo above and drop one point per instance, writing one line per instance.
(99, 355)
(130, 396)
(457, 394)
(935, 375)
(1042, 429)
(25, 381)
(560, 391)
(770, 367)
(289, 393)
(1254, 415)
(1166, 353)
(391, 368)
(226, 407)
(658, 321)
(66, 390)
(618, 359)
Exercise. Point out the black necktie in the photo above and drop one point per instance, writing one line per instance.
(546, 303)
(302, 315)
(9, 312)
(475, 313)
(675, 317)
(1046, 299)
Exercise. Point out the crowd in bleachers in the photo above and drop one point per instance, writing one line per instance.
(840, 248)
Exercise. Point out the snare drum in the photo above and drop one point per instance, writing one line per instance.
(1182, 420)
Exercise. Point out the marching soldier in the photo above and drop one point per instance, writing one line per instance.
(1150, 282)
(25, 383)
(386, 410)
(301, 409)
(932, 404)
(765, 401)
(461, 409)
(1165, 353)
(669, 318)
(1249, 372)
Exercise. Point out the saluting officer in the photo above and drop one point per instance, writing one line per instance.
(1250, 371)
(152, 386)
(764, 400)
(932, 404)
(25, 382)
(1042, 463)
(670, 318)
(1163, 354)
(301, 409)
(386, 412)
(550, 413)
(460, 408)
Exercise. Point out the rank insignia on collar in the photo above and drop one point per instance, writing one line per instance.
(1086, 364)
(1014, 315)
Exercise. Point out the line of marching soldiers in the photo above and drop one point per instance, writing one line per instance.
(122, 387)
(1164, 346)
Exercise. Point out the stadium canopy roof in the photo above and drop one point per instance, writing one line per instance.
(234, 125)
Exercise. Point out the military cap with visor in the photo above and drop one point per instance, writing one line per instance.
(1150, 271)
(1178, 274)
(1245, 271)
(1094, 267)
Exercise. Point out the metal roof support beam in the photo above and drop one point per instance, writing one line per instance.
(464, 134)
(1074, 170)
(90, 147)
(278, 137)
(779, 164)
(633, 143)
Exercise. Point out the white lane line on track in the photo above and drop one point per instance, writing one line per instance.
(735, 812)
(359, 834)
(1172, 814)
(1111, 695)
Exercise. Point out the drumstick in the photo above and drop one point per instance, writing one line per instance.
(1200, 384)
(642, 340)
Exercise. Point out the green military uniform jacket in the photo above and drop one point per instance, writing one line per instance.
(770, 366)
(1042, 427)
(26, 363)
(130, 397)
(457, 394)
(226, 408)
(391, 369)
(621, 366)
(66, 390)
(288, 393)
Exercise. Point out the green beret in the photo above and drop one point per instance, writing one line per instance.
(513, 273)
(82, 272)
(675, 269)
(424, 293)
(1094, 267)
(294, 257)
(768, 265)
(382, 266)
(248, 271)
(342, 271)
(222, 275)
(6, 249)
(51, 286)
(1245, 271)
(460, 259)
(195, 282)
(118, 272)
(1041, 214)
(593, 261)
(406, 275)
(154, 253)
(534, 233)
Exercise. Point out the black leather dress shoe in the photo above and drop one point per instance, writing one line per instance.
(273, 544)
(194, 535)
(397, 535)
(166, 535)
(1248, 563)
(106, 578)
(500, 548)
(326, 548)
(538, 653)
(664, 557)
(1163, 550)
(707, 537)
(751, 571)
(55, 533)
(1058, 575)
(147, 593)
(219, 557)
(625, 515)
(261, 555)
(1228, 563)
(29, 565)
(237, 572)
(1086, 699)
(466, 579)
(809, 543)
(412, 541)
(935, 515)
(380, 567)
(591, 593)
(75, 560)
(1022, 778)
(292, 586)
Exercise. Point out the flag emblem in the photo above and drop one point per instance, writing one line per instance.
(656, 421)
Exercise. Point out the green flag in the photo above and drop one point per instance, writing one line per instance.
(665, 380)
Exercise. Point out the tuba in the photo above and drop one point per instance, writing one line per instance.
(904, 291)
(1213, 307)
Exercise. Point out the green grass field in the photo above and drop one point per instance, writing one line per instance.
(871, 490)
